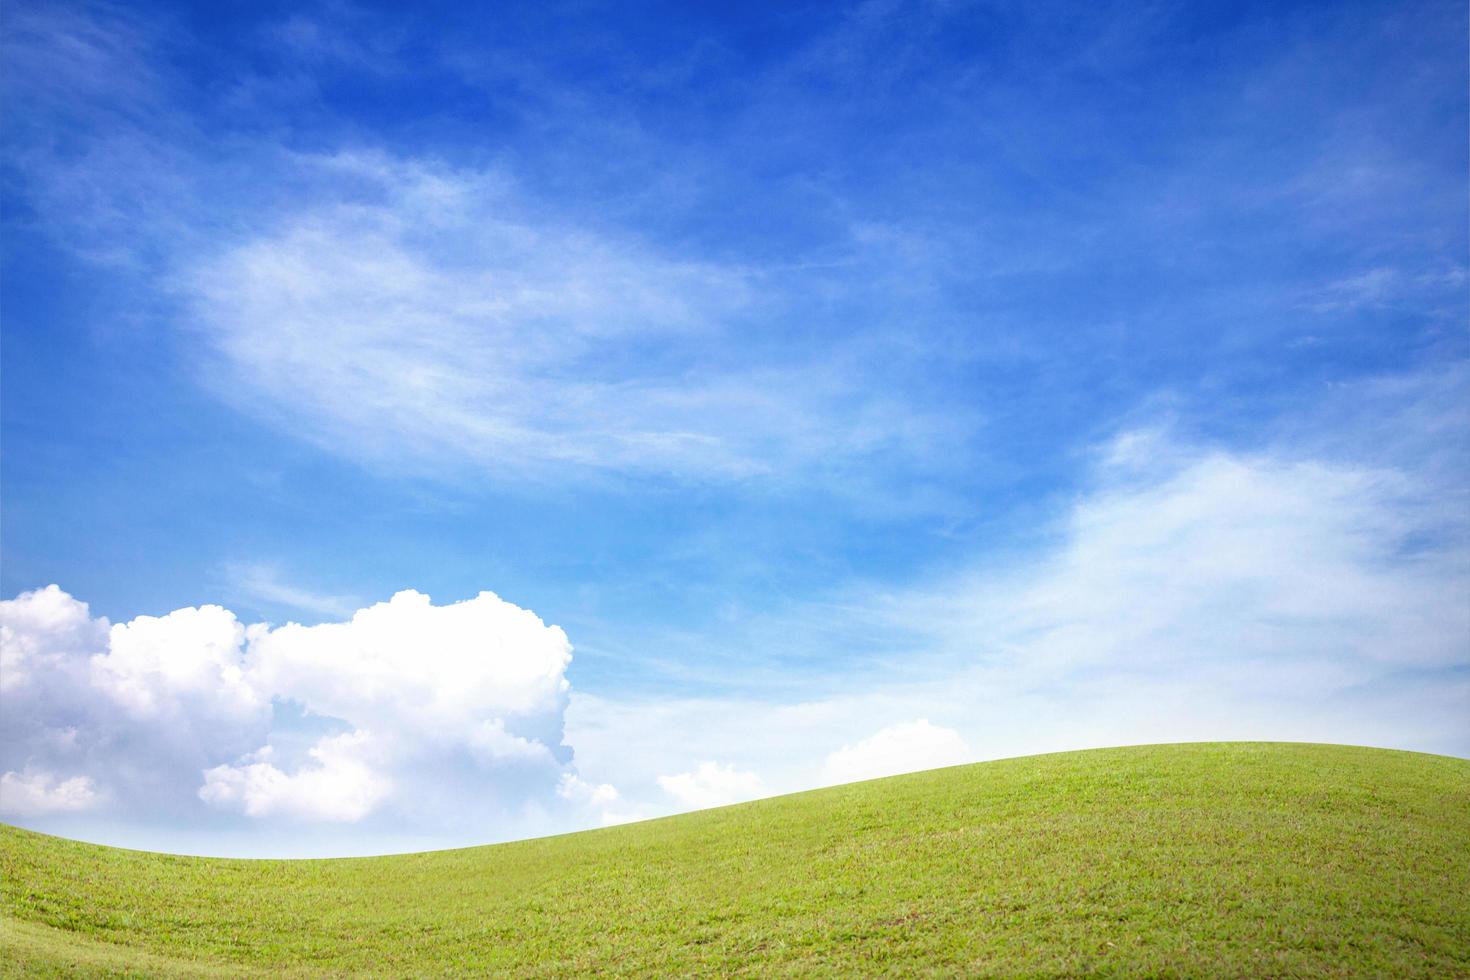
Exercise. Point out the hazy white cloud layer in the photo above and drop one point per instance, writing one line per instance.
(35, 792)
(713, 784)
(1188, 594)
(896, 749)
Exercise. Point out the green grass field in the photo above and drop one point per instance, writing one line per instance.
(1241, 859)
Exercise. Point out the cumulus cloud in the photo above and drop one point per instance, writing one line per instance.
(578, 789)
(603, 799)
(339, 784)
(188, 662)
(135, 721)
(908, 747)
(414, 698)
(573, 787)
(713, 784)
(495, 744)
(482, 672)
(42, 630)
(34, 792)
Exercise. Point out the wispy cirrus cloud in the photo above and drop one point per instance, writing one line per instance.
(421, 316)
(419, 319)
(263, 582)
(1387, 286)
(408, 312)
(424, 321)
(414, 311)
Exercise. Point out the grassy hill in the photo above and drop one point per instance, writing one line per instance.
(1239, 859)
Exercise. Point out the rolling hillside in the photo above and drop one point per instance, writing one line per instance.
(1239, 859)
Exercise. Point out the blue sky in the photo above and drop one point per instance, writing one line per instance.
(858, 388)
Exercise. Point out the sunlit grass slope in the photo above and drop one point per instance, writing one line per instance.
(1223, 859)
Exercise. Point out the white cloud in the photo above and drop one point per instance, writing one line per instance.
(338, 785)
(603, 798)
(573, 787)
(1385, 286)
(264, 582)
(908, 747)
(41, 629)
(432, 324)
(137, 707)
(713, 784)
(1188, 594)
(482, 677)
(494, 743)
(34, 792)
(189, 661)
(1223, 558)
(465, 699)
(418, 316)
(440, 673)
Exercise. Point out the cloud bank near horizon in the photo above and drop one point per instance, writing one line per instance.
(1190, 594)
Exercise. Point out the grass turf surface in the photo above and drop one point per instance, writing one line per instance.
(1236, 859)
